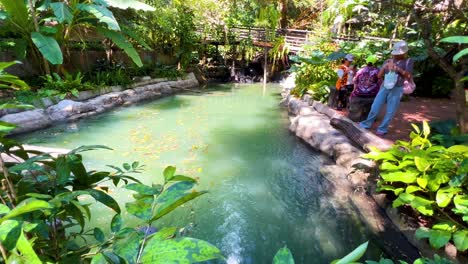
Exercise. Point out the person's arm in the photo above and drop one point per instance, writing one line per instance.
(408, 71)
(382, 70)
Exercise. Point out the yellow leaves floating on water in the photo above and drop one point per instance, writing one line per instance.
(201, 147)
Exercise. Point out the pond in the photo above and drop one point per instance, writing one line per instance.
(265, 186)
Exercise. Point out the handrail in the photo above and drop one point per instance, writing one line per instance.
(295, 38)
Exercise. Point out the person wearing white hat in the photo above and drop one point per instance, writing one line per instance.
(342, 72)
(394, 72)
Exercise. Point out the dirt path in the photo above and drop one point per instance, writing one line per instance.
(416, 110)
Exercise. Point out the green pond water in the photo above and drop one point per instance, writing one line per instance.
(265, 188)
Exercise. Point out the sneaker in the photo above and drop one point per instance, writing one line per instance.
(380, 133)
(362, 126)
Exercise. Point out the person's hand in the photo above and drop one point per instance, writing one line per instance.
(390, 65)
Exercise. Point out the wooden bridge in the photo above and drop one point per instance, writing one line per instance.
(260, 37)
(295, 39)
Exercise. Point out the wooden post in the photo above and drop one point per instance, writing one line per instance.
(265, 68)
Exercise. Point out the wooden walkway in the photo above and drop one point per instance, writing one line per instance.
(295, 39)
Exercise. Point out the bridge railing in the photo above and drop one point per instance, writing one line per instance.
(294, 38)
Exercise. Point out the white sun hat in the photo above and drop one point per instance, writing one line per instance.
(400, 48)
(349, 57)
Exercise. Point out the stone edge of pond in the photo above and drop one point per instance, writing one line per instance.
(69, 110)
(339, 138)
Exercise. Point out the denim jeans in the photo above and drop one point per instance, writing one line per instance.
(392, 98)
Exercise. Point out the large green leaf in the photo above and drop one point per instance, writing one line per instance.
(28, 254)
(142, 189)
(461, 201)
(6, 64)
(48, 47)
(18, 14)
(183, 250)
(168, 173)
(444, 195)
(103, 14)
(62, 12)
(460, 54)
(116, 223)
(128, 246)
(125, 4)
(283, 256)
(99, 235)
(400, 176)
(458, 149)
(6, 127)
(131, 32)
(461, 239)
(438, 238)
(26, 206)
(99, 259)
(174, 196)
(122, 43)
(105, 199)
(78, 212)
(424, 206)
(8, 80)
(422, 164)
(63, 170)
(141, 208)
(88, 148)
(354, 256)
(10, 231)
(456, 39)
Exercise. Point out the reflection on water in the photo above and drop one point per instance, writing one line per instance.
(265, 187)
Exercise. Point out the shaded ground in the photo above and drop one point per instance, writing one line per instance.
(416, 110)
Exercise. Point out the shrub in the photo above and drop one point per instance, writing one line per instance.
(54, 85)
(42, 214)
(432, 179)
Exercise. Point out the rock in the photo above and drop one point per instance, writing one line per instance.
(166, 89)
(308, 99)
(28, 120)
(85, 95)
(66, 109)
(94, 102)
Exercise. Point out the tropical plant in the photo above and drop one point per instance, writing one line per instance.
(47, 26)
(432, 180)
(279, 53)
(284, 256)
(10, 81)
(54, 85)
(44, 212)
(111, 78)
(320, 91)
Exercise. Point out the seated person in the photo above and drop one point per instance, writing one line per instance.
(338, 97)
(366, 87)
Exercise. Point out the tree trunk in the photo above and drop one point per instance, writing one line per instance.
(36, 27)
(284, 13)
(460, 102)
